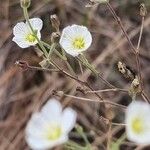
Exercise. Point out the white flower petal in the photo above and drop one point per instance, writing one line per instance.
(71, 33)
(39, 35)
(20, 30)
(37, 143)
(68, 119)
(42, 144)
(42, 131)
(36, 23)
(138, 110)
(52, 110)
(36, 125)
(69, 49)
(21, 42)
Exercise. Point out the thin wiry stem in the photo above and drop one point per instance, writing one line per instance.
(109, 135)
(108, 90)
(26, 66)
(118, 20)
(90, 100)
(141, 33)
(86, 64)
(78, 80)
(138, 53)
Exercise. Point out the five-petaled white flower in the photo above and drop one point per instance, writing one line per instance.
(75, 39)
(138, 122)
(23, 35)
(50, 127)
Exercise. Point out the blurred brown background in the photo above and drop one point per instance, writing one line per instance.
(23, 92)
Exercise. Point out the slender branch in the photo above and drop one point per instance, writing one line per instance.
(108, 90)
(141, 32)
(145, 97)
(138, 53)
(24, 65)
(118, 20)
(78, 80)
(90, 100)
(109, 135)
(96, 72)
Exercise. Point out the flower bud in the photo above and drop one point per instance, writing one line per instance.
(55, 22)
(143, 10)
(55, 36)
(25, 3)
(134, 88)
(126, 71)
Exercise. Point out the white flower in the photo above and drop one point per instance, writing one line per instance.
(23, 35)
(50, 127)
(75, 39)
(138, 122)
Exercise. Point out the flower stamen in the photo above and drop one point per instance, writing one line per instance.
(30, 38)
(53, 132)
(79, 43)
(137, 125)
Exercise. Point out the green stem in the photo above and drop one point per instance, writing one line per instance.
(118, 142)
(67, 63)
(74, 146)
(80, 132)
(51, 50)
(63, 56)
(55, 51)
(85, 62)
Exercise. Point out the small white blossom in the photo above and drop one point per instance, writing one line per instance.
(138, 122)
(23, 35)
(50, 127)
(75, 39)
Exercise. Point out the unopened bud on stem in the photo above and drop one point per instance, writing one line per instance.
(55, 37)
(25, 3)
(55, 22)
(143, 10)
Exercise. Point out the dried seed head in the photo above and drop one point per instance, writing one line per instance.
(55, 36)
(55, 22)
(134, 88)
(143, 10)
(25, 3)
(126, 71)
(121, 67)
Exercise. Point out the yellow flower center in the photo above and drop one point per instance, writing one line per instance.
(53, 132)
(30, 38)
(79, 43)
(137, 125)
